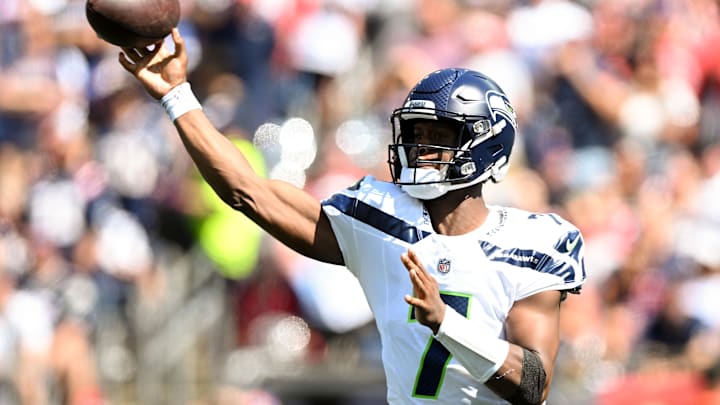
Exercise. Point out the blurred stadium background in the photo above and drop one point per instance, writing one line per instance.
(123, 280)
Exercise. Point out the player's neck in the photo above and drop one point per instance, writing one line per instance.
(458, 212)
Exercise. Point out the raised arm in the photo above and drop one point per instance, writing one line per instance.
(286, 212)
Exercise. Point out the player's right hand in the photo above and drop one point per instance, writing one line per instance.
(157, 69)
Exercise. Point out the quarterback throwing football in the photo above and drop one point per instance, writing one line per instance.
(466, 296)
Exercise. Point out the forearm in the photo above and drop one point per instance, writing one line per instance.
(521, 379)
(514, 373)
(219, 161)
(221, 164)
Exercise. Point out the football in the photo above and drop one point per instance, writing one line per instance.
(132, 23)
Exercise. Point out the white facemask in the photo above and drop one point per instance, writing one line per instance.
(424, 174)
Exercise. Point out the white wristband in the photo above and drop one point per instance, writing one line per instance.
(180, 100)
(479, 352)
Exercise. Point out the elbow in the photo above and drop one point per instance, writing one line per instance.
(230, 197)
(233, 196)
(239, 201)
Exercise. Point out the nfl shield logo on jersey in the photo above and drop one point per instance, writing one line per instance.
(443, 265)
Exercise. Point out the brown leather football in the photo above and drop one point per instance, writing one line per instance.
(132, 23)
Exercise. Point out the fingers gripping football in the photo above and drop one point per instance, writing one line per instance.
(429, 307)
(157, 69)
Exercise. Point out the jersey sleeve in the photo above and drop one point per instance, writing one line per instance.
(340, 209)
(561, 266)
(371, 217)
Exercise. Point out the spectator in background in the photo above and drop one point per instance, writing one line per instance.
(31, 92)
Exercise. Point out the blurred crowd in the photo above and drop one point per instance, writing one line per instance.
(123, 279)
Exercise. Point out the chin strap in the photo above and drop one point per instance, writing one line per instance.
(431, 188)
(435, 187)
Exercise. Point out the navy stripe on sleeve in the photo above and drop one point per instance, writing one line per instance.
(376, 218)
(530, 259)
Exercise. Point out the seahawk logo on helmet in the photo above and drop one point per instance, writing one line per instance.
(500, 105)
(486, 123)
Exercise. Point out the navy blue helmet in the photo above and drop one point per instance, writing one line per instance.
(486, 125)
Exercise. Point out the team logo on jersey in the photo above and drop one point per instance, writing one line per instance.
(570, 244)
(443, 265)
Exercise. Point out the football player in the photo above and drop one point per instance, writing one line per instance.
(466, 296)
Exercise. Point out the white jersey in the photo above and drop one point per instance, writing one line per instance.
(513, 255)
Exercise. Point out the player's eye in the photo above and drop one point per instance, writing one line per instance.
(428, 137)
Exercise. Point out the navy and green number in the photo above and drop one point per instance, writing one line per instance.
(432, 367)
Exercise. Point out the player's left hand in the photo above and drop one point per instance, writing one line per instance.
(429, 307)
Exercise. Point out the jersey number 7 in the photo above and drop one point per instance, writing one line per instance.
(433, 364)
